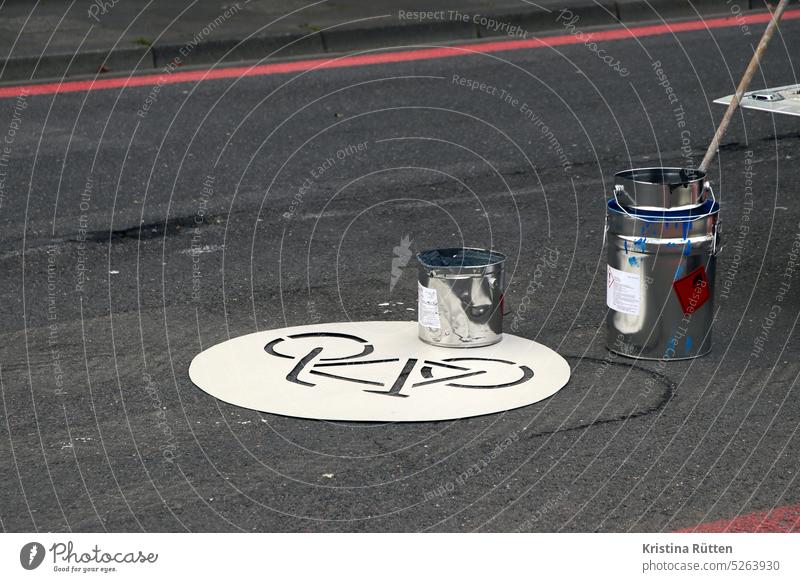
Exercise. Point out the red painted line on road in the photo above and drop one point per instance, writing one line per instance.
(387, 57)
(779, 520)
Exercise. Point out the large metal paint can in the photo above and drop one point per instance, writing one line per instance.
(460, 302)
(660, 280)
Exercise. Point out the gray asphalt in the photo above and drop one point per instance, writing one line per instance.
(103, 430)
(74, 37)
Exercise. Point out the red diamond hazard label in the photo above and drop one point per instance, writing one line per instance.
(692, 290)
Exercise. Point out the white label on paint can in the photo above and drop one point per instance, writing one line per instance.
(623, 291)
(428, 307)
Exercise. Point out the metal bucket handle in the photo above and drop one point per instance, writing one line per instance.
(706, 186)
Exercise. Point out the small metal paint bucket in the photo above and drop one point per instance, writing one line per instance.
(661, 188)
(460, 302)
(660, 280)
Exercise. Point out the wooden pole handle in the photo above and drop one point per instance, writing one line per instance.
(743, 84)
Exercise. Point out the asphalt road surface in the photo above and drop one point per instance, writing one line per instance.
(140, 226)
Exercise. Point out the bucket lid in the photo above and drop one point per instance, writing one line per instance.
(459, 259)
(661, 188)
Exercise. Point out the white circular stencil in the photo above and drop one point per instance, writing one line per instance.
(375, 371)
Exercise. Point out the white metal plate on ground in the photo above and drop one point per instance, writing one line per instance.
(785, 100)
(375, 371)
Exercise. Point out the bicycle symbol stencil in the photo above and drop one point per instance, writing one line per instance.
(375, 371)
(458, 370)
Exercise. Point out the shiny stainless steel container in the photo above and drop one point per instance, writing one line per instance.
(460, 301)
(660, 280)
(661, 188)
